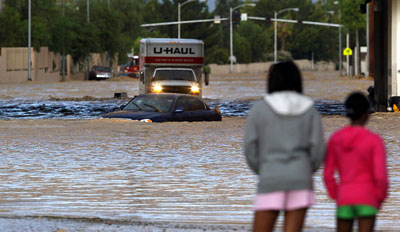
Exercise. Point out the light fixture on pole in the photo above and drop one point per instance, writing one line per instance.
(276, 29)
(179, 14)
(231, 32)
(340, 39)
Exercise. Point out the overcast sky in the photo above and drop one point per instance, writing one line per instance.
(211, 5)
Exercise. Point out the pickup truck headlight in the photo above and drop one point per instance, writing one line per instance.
(195, 89)
(157, 88)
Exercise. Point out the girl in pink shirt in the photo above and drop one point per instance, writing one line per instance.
(358, 155)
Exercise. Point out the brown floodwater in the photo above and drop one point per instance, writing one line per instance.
(192, 175)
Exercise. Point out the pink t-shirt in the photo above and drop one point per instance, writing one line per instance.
(358, 155)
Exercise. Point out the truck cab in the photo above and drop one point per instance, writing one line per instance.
(171, 66)
(132, 68)
(175, 80)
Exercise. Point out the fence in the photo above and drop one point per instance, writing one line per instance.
(46, 65)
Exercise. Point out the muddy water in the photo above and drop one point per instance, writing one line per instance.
(128, 171)
(234, 95)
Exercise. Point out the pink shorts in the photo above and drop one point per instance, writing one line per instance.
(284, 200)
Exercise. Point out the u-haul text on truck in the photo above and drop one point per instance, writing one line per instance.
(171, 66)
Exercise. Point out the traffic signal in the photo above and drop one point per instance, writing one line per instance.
(236, 17)
(300, 22)
(268, 20)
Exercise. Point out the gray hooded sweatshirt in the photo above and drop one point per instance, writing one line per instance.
(284, 143)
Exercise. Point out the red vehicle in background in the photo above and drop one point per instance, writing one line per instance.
(132, 68)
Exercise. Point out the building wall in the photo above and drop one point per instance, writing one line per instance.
(395, 48)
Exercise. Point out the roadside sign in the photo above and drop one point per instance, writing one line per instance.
(243, 17)
(347, 52)
(217, 19)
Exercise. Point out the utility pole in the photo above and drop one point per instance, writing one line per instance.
(312, 63)
(367, 37)
(29, 41)
(348, 57)
(340, 44)
(63, 43)
(230, 41)
(275, 37)
(88, 20)
(357, 55)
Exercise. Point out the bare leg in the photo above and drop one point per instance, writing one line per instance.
(294, 220)
(344, 225)
(264, 221)
(366, 224)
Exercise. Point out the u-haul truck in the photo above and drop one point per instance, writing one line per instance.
(171, 66)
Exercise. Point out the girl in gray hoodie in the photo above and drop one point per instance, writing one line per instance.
(284, 146)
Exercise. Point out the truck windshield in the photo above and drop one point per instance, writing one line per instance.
(185, 75)
(134, 62)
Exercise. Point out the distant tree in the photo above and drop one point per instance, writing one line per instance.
(13, 32)
(43, 15)
(258, 37)
(308, 39)
(351, 14)
(241, 48)
(217, 55)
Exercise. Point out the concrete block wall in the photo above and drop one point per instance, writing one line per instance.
(304, 65)
(45, 65)
(14, 65)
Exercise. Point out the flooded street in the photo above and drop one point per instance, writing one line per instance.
(89, 100)
(63, 167)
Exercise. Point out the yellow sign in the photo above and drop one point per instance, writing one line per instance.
(347, 52)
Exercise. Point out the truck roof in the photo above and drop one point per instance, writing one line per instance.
(171, 41)
(171, 52)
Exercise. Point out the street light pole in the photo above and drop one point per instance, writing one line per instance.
(179, 20)
(88, 20)
(29, 42)
(340, 39)
(276, 31)
(231, 32)
(230, 41)
(367, 36)
(63, 44)
(340, 44)
(275, 37)
(179, 14)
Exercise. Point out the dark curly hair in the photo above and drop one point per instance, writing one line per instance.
(356, 105)
(284, 76)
